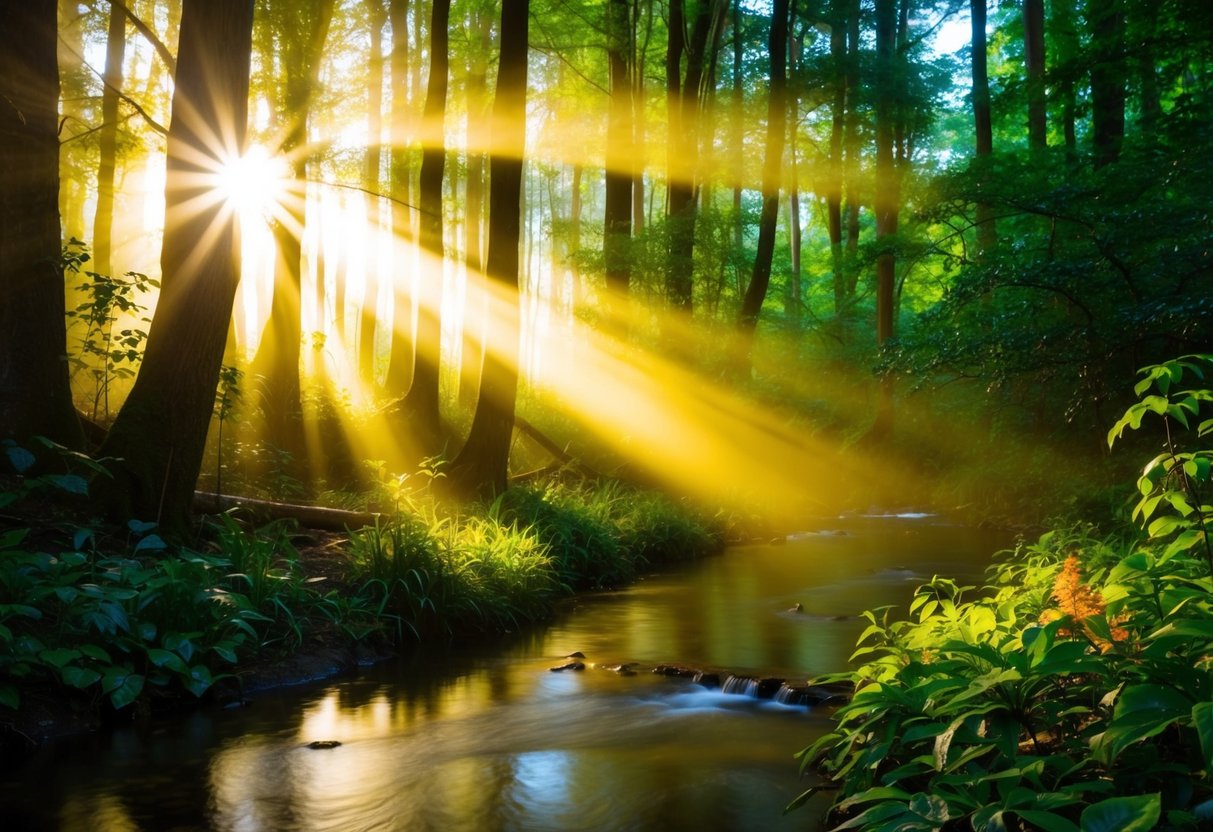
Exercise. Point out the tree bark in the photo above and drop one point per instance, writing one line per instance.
(481, 468)
(886, 198)
(103, 218)
(1034, 57)
(982, 126)
(772, 169)
(35, 397)
(159, 436)
(1107, 80)
(368, 318)
(838, 65)
(400, 357)
(421, 403)
(617, 212)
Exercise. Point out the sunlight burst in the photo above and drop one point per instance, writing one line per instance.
(254, 184)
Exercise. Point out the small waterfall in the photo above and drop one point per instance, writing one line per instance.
(741, 686)
(791, 695)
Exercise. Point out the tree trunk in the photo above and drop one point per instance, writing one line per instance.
(1034, 57)
(986, 232)
(1107, 80)
(1063, 22)
(369, 319)
(421, 403)
(639, 139)
(838, 65)
(35, 397)
(777, 111)
(400, 358)
(160, 434)
(477, 129)
(886, 198)
(851, 145)
(617, 213)
(482, 465)
(103, 219)
(738, 129)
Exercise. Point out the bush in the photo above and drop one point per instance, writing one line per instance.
(1074, 692)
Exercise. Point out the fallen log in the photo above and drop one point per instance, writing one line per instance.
(312, 517)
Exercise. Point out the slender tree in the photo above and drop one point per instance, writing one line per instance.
(482, 464)
(371, 161)
(421, 403)
(159, 435)
(400, 356)
(983, 130)
(103, 218)
(772, 168)
(617, 214)
(1107, 22)
(838, 67)
(35, 397)
(1034, 57)
(886, 196)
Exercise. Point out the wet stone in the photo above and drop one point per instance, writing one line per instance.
(570, 666)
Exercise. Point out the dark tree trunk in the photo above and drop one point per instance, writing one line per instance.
(617, 217)
(369, 319)
(684, 103)
(1107, 80)
(103, 219)
(838, 65)
(160, 433)
(482, 465)
(777, 111)
(1034, 57)
(35, 397)
(421, 404)
(793, 297)
(986, 232)
(853, 158)
(738, 129)
(886, 198)
(400, 359)
(1063, 21)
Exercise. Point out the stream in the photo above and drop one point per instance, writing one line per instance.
(486, 737)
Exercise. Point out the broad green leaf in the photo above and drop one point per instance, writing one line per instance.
(21, 459)
(9, 697)
(81, 537)
(199, 680)
(167, 659)
(71, 483)
(1047, 821)
(1202, 719)
(93, 651)
(59, 657)
(79, 677)
(122, 686)
(151, 543)
(1122, 814)
(140, 526)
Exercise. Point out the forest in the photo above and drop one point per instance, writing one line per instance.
(528, 298)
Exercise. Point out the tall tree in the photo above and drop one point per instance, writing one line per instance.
(421, 403)
(160, 433)
(887, 195)
(400, 357)
(684, 99)
(1107, 21)
(482, 464)
(371, 160)
(103, 218)
(982, 125)
(617, 213)
(1034, 57)
(838, 68)
(35, 397)
(302, 29)
(772, 169)
(852, 141)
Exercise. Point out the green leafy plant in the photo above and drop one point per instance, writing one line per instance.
(104, 354)
(1071, 692)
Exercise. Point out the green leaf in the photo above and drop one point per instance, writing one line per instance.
(801, 799)
(140, 526)
(59, 657)
(71, 483)
(180, 644)
(1122, 814)
(198, 680)
(151, 543)
(1202, 718)
(9, 697)
(79, 677)
(168, 659)
(1047, 821)
(21, 459)
(122, 686)
(94, 651)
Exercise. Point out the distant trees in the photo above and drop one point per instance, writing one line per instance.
(34, 394)
(160, 432)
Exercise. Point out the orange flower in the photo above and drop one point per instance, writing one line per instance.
(1075, 598)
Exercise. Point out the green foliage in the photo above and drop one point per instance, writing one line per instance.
(1071, 693)
(104, 354)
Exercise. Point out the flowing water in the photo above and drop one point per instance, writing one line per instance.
(488, 738)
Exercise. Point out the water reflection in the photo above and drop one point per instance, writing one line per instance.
(487, 738)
